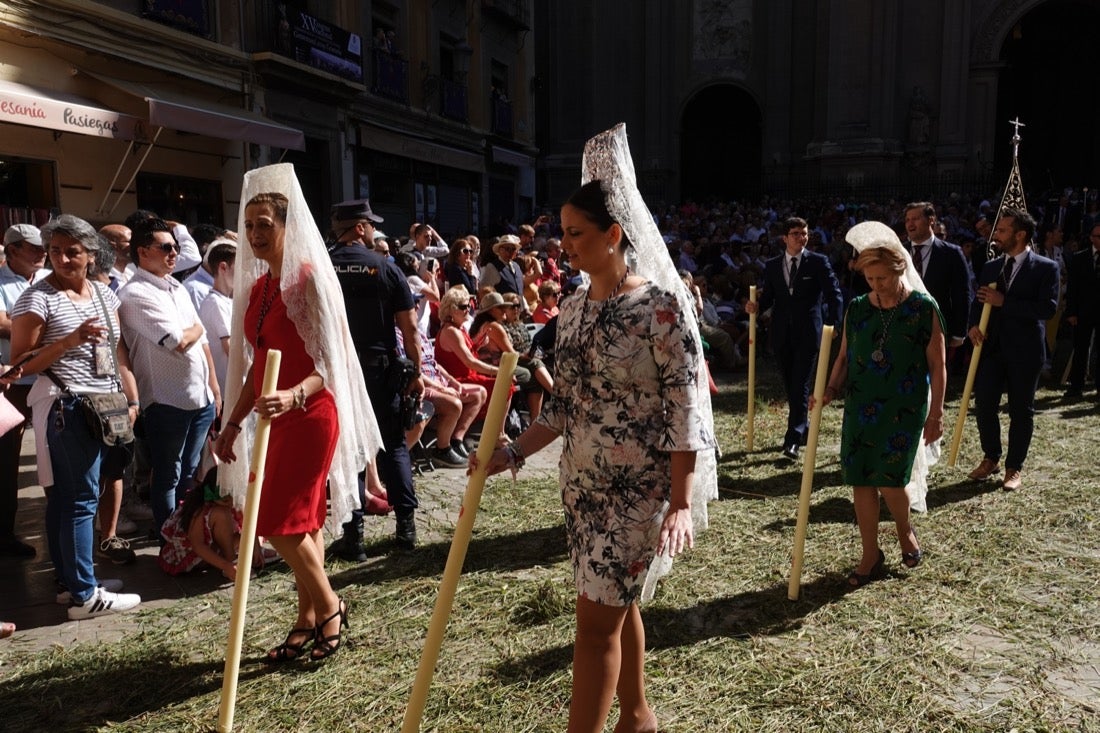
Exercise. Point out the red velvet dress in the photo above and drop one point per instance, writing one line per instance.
(302, 442)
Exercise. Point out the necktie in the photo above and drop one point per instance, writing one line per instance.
(1006, 271)
(794, 272)
(918, 259)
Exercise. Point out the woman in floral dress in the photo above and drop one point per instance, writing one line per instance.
(626, 403)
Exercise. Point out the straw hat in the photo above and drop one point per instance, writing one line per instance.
(490, 301)
(510, 240)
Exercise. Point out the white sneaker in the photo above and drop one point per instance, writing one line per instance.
(102, 603)
(64, 597)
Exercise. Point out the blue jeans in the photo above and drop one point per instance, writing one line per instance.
(71, 503)
(175, 438)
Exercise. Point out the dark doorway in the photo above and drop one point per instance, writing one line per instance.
(1051, 57)
(721, 143)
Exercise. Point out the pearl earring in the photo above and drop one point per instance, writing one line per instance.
(611, 250)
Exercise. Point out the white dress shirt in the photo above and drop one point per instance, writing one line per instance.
(154, 313)
(216, 313)
(198, 285)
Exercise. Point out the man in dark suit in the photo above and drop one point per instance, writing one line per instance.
(942, 266)
(1066, 215)
(1025, 297)
(1083, 311)
(801, 286)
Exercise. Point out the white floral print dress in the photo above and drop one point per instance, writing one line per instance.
(624, 397)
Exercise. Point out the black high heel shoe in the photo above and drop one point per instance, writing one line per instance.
(858, 580)
(287, 652)
(326, 646)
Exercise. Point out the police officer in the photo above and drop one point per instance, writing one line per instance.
(377, 298)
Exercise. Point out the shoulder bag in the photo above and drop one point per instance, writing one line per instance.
(107, 413)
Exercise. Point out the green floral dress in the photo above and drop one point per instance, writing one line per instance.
(888, 381)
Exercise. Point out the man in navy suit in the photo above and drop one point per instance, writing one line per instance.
(1025, 297)
(942, 266)
(801, 286)
(1083, 311)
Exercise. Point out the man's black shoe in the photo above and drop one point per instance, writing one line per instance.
(406, 532)
(791, 452)
(14, 547)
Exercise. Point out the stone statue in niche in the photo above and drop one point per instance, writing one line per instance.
(723, 32)
(920, 119)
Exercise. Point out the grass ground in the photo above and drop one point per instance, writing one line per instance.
(998, 630)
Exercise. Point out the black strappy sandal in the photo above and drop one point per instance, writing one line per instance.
(858, 580)
(326, 646)
(287, 652)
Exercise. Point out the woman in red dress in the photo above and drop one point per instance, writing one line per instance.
(305, 428)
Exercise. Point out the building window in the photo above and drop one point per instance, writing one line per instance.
(192, 16)
(190, 201)
(500, 105)
(28, 191)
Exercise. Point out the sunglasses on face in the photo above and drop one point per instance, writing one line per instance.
(462, 307)
(165, 247)
(466, 251)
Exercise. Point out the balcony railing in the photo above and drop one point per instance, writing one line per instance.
(454, 104)
(501, 117)
(389, 76)
(514, 11)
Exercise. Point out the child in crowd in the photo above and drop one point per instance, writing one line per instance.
(205, 528)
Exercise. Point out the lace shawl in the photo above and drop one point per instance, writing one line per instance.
(607, 159)
(315, 305)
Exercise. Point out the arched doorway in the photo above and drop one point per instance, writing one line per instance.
(720, 148)
(1050, 58)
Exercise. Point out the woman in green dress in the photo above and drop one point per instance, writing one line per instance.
(891, 353)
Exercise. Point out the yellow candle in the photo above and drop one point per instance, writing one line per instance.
(751, 417)
(964, 401)
(244, 555)
(794, 584)
(494, 421)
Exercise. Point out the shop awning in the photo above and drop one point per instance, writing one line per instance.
(167, 109)
(24, 105)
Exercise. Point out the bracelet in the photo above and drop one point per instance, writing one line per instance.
(518, 451)
(233, 425)
(516, 458)
(300, 397)
(133, 403)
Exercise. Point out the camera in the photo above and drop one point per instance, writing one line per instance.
(410, 409)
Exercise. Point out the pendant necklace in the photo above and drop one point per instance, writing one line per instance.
(879, 355)
(265, 304)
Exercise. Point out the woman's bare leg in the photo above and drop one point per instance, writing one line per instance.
(597, 660)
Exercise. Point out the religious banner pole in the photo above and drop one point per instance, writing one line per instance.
(1013, 197)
